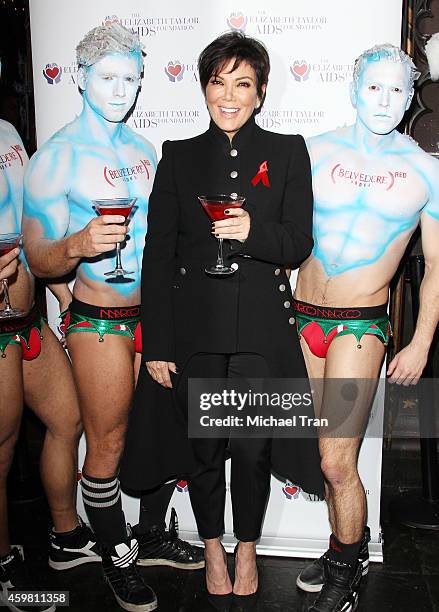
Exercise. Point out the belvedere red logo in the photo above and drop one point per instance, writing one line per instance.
(52, 73)
(291, 491)
(181, 486)
(363, 179)
(174, 71)
(300, 70)
(127, 174)
(8, 157)
(237, 21)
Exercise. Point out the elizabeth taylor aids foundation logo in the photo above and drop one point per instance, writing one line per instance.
(300, 70)
(146, 26)
(181, 486)
(291, 491)
(174, 70)
(263, 22)
(52, 73)
(321, 71)
(55, 73)
(237, 21)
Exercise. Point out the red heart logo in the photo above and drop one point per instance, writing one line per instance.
(291, 490)
(237, 21)
(174, 69)
(182, 484)
(52, 73)
(300, 69)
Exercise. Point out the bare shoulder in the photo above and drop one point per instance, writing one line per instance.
(416, 155)
(8, 131)
(59, 147)
(327, 143)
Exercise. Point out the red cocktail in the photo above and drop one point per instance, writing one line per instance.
(7, 243)
(123, 207)
(215, 205)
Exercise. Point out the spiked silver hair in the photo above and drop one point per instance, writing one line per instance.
(106, 39)
(387, 52)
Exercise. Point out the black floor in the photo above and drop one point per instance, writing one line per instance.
(408, 579)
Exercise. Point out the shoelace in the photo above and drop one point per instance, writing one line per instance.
(131, 578)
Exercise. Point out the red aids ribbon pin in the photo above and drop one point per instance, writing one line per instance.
(261, 175)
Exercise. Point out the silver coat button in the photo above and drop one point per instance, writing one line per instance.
(234, 266)
(287, 304)
(291, 320)
(282, 287)
(277, 272)
(233, 174)
(233, 152)
(182, 271)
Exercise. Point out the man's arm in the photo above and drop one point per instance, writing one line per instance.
(407, 366)
(62, 293)
(49, 250)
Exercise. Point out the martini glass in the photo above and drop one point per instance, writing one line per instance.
(7, 243)
(123, 207)
(215, 205)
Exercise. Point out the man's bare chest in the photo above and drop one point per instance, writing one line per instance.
(388, 188)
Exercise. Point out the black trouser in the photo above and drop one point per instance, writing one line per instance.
(250, 470)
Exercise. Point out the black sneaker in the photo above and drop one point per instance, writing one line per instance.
(74, 548)
(160, 547)
(340, 587)
(14, 577)
(310, 579)
(123, 578)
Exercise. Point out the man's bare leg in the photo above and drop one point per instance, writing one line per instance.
(50, 392)
(104, 376)
(11, 406)
(346, 496)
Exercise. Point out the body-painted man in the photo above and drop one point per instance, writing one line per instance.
(97, 156)
(372, 187)
(34, 367)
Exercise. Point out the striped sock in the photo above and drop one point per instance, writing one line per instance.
(102, 502)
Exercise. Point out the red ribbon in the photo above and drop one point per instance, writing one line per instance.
(261, 175)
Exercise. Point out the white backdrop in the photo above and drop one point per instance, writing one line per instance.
(312, 45)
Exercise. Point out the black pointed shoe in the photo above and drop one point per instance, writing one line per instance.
(244, 603)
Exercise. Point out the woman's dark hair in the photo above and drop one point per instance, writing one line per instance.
(238, 46)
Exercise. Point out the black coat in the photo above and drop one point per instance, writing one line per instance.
(184, 311)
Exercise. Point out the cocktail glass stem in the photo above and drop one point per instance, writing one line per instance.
(6, 296)
(119, 260)
(219, 260)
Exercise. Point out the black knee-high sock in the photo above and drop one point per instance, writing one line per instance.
(153, 507)
(101, 497)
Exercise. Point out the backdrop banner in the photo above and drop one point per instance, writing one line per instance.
(312, 46)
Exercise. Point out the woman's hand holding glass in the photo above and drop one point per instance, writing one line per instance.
(235, 228)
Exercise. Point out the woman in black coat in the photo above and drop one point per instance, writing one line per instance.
(195, 325)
